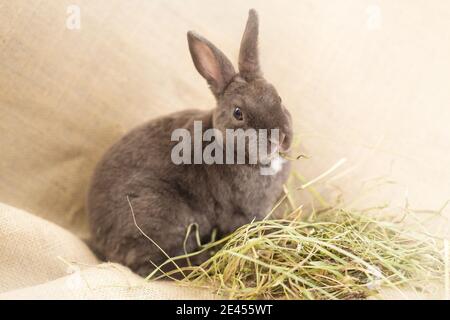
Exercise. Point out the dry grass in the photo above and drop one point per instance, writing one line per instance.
(332, 253)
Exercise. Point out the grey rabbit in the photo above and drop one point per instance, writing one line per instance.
(165, 197)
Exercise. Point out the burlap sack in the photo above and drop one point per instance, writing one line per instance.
(364, 80)
(39, 259)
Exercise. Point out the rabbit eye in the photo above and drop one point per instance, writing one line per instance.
(237, 113)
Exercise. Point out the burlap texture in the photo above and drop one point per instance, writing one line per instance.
(39, 259)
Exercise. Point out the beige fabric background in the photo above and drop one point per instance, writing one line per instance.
(364, 79)
(40, 260)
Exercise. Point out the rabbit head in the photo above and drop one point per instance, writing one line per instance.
(245, 100)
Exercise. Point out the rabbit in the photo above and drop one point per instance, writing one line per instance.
(137, 173)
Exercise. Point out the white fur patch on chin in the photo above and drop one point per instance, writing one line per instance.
(276, 165)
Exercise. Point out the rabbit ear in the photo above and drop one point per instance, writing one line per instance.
(248, 54)
(211, 63)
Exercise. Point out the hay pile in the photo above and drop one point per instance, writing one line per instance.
(334, 253)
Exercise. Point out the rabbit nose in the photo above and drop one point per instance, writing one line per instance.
(282, 137)
(284, 142)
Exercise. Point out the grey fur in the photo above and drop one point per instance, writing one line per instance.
(248, 54)
(167, 198)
